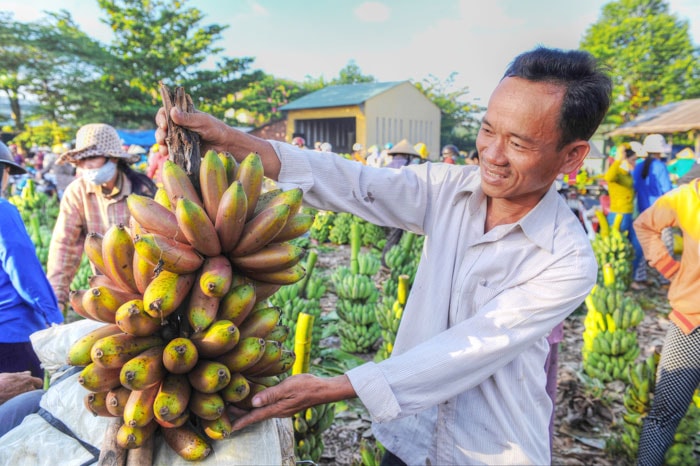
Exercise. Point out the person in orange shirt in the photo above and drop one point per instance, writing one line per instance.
(678, 373)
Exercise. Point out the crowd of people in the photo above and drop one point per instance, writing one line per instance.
(472, 377)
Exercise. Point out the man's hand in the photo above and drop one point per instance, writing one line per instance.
(213, 133)
(16, 383)
(292, 395)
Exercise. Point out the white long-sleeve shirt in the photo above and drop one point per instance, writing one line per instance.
(465, 383)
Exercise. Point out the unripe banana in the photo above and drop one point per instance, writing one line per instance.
(118, 257)
(180, 355)
(268, 381)
(143, 370)
(230, 166)
(260, 322)
(265, 198)
(213, 182)
(272, 354)
(166, 292)
(219, 428)
(282, 365)
(291, 197)
(96, 403)
(197, 227)
(132, 318)
(244, 355)
(230, 218)
(93, 251)
(237, 388)
(282, 277)
(116, 400)
(219, 338)
(272, 258)
(79, 352)
(260, 230)
(296, 226)
(98, 379)
(201, 309)
(172, 398)
(154, 218)
(237, 303)
(138, 411)
(177, 184)
(134, 437)
(168, 254)
(115, 350)
(209, 376)
(187, 443)
(279, 333)
(208, 406)
(250, 173)
(247, 402)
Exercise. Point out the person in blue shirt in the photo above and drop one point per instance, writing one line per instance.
(651, 181)
(27, 301)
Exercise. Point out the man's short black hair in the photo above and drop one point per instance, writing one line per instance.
(588, 87)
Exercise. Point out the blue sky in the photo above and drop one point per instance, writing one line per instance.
(392, 40)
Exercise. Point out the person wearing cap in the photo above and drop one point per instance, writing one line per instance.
(27, 302)
(678, 371)
(504, 261)
(651, 181)
(94, 201)
(357, 153)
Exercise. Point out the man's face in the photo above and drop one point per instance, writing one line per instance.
(518, 140)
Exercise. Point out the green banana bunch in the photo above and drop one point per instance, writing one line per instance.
(354, 287)
(340, 231)
(615, 249)
(369, 264)
(389, 316)
(402, 259)
(321, 228)
(309, 426)
(358, 338)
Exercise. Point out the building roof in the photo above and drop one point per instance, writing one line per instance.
(342, 95)
(675, 117)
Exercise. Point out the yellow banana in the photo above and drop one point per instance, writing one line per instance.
(154, 218)
(167, 253)
(98, 379)
(75, 299)
(177, 184)
(282, 365)
(116, 400)
(114, 350)
(216, 276)
(272, 258)
(272, 354)
(230, 166)
(172, 398)
(219, 338)
(244, 355)
(134, 320)
(260, 322)
(201, 309)
(281, 277)
(291, 197)
(213, 182)
(180, 355)
(219, 428)
(231, 216)
(264, 290)
(161, 197)
(118, 257)
(250, 174)
(206, 405)
(93, 251)
(144, 272)
(138, 411)
(237, 304)
(96, 403)
(177, 422)
(187, 443)
(209, 376)
(197, 227)
(134, 437)
(166, 292)
(237, 388)
(103, 302)
(79, 352)
(296, 226)
(260, 230)
(143, 370)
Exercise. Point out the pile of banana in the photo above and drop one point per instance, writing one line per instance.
(612, 247)
(389, 317)
(637, 401)
(189, 329)
(402, 259)
(357, 299)
(304, 296)
(308, 429)
(609, 341)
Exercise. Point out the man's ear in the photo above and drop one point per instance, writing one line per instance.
(575, 153)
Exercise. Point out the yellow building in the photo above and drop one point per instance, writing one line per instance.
(365, 113)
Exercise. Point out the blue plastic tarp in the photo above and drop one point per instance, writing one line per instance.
(144, 138)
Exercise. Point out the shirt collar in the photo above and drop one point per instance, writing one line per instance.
(538, 224)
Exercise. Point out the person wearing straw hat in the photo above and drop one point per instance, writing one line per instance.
(27, 302)
(94, 201)
(402, 154)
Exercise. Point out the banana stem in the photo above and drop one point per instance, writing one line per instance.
(409, 242)
(302, 343)
(355, 248)
(402, 294)
(310, 264)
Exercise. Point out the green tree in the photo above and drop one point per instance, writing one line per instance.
(154, 40)
(459, 123)
(649, 53)
(352, 74)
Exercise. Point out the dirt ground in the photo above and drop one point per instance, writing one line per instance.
(584, 419)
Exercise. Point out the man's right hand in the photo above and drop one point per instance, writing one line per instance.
(213, 133)
(16, 383)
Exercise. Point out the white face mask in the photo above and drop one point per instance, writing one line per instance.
(100, 175)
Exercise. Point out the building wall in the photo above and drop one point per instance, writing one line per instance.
(276, 131)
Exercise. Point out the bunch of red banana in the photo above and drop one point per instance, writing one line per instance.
(184, 295)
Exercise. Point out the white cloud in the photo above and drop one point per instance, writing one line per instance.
(258, 9)
(372, 12)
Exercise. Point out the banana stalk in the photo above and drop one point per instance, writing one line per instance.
(303, 343)
(310, 264)
(355, 248)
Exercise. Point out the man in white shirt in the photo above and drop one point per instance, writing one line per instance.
(504, 261)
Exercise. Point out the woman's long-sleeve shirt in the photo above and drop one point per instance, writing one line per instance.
(620, 189)
(27, 302)
(678, 208)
